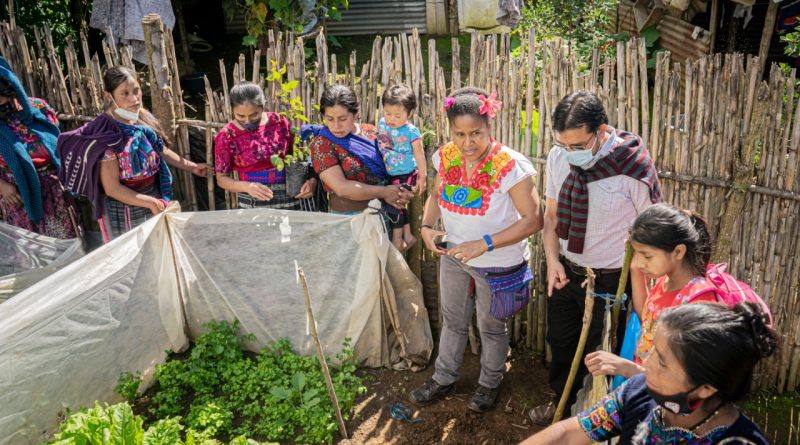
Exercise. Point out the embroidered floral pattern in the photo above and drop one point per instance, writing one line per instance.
(604, 420)
(239, 150)
(656, 433)
(37, 150)
(471, 196)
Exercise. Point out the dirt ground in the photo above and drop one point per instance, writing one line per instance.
(450, 421)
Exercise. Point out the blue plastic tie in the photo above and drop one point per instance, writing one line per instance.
(402, 412)
(611, 299)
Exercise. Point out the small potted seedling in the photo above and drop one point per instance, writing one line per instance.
(295, 164)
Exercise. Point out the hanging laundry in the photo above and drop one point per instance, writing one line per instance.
(124, 17)
(508, 12)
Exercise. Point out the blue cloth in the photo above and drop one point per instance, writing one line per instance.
(399, 159)
(365, 150)
(15, 152)
(629, 344)
(144, 145)
(621, 412)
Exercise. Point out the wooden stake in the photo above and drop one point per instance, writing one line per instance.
(576, 361)
(322, 363)
(623, 283)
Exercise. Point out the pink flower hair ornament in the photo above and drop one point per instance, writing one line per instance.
(490, 105)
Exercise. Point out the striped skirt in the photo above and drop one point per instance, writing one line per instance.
(119, 218)
(280, 200)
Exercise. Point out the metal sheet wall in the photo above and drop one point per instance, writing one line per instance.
(381, 17)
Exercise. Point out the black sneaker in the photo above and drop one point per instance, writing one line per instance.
(429, 392)
(483, 398)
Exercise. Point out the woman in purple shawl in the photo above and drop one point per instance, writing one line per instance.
(346, 157)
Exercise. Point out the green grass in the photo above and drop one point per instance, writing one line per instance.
(777, 415)
(362, 45)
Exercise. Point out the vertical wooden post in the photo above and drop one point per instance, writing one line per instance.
(766, 35)
(160, 80)
(177, 5)
(742, 176)
(713, 24)
(161, 87)
(210, 161)
(12, 21)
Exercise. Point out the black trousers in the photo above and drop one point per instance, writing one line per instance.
(565, 319)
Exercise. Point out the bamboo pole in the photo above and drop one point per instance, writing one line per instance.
(623, 283)
(312, 323)
(576, 361)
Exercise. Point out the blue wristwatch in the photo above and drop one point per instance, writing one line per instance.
(489, 243)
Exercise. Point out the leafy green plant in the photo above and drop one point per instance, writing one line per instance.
(128, 385)
(56, 14)
(293, 109)
(582, 22)
(117, 424)
(210, 419)
(276, 395)
(263, 15)
(792, 41)
(651, 35)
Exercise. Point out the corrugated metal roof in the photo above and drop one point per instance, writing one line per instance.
(381, 17)
(624, 18)
(676, 36)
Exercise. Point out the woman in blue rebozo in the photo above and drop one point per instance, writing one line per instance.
(31, 196)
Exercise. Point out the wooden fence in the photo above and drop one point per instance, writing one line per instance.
(725, 142)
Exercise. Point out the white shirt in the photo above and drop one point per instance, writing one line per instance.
(499, 216)
(613, 205)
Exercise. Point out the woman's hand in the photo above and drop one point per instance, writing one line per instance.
(429, 237)
(469, 250)
(200, 169)
(157, 206)
(606, 363)
(396, 196)
(307, 190)
(10, 194)
(259, 191)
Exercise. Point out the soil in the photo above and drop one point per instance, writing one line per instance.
(450, 421)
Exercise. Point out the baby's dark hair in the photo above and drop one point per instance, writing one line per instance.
(719, 346)
(400, 95)
(247, 93)
(664, 227)
(466, 102)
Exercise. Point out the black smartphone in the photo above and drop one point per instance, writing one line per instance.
(407, 187)
(441, 242)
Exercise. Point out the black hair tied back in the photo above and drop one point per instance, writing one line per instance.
(764, 337)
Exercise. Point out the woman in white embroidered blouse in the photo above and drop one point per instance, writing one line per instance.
(488, 204)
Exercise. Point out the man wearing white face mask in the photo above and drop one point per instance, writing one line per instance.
(598, 180)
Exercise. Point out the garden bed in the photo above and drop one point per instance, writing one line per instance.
(449, 421)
